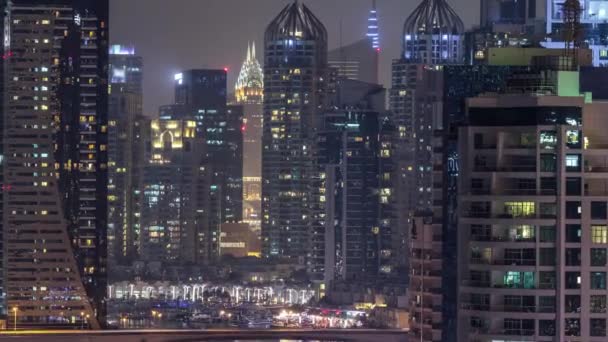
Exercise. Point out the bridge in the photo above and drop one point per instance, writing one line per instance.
(345, 335)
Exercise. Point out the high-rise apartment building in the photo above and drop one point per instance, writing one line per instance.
(351, 237)
(55, 57)
(124, 153)
(433, 37)
(532, 213)
(295, 78)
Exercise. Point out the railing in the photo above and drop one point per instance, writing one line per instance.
(486, 238)
(484, 284)
(506, 262)
(508, 308)
(511, 332)
(593, 168)
(486, 214)
(511, 168)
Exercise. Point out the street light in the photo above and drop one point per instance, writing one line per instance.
(81, 320)
(15, 309)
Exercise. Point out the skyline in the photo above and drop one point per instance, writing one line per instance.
(161, 64)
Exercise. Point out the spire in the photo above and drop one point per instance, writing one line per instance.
(253, 50)
(248, 52)
(372, 27)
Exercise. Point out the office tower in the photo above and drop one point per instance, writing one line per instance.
(125, 107)
(433, 37)
(593, 27)
(532, 240)
(360, 59)
(55, 166)
(249, 90)
(295, 76)
(201, 88)
(356, 61)
(200, 95)
(351, 238)
(170, 217)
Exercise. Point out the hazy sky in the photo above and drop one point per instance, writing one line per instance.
(173, 35)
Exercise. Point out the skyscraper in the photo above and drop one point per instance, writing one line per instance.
(171, 188)
(295, 76)
(55, 166)
(433, 35)
(351, 238)
(249, 90)
(200, 95)
(125, 108)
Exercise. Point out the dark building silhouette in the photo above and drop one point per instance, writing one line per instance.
(354, 159)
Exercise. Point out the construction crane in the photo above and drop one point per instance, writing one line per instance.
(572, 29)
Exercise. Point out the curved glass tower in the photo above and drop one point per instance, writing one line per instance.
(295, 68)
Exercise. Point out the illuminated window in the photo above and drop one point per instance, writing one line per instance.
(573, 162)
(520, 209)
(599, 234)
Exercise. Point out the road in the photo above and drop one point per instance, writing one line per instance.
(346, 335)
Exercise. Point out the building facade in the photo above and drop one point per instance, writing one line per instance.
(531, 215)
(172, 212)
(295, 76)
(352, 236)
(124, 153)
(55, 166)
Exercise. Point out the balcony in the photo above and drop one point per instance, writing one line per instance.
(507, 332)
(504, 262)
(507, 308)
(509, 168)
(501, 238)
(495, 285)
(512, 192)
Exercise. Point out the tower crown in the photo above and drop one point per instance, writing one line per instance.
(297, 22)
(433, 17)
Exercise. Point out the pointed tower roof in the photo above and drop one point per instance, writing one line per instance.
(251, 77)
(433, 17)
(296, 21)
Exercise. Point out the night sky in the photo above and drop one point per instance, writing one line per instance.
(172, 35)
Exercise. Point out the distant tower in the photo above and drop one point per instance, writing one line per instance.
(249, 87)
(249, 93)
(372, 27)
